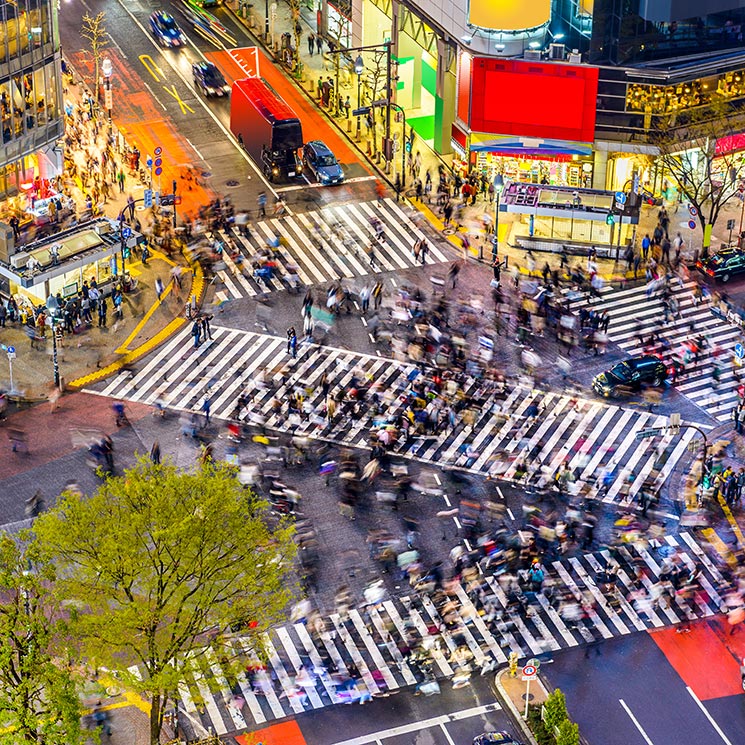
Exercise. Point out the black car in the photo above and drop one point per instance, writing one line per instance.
(630, 375)
(723, 265)
(209, 79)
(322, 163)
(495, 738)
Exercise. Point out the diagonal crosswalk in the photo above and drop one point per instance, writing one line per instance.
(324, 245)
(593, 438)
(634, 316)
(299, 659)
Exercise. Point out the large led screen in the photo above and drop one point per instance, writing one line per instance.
(532, 99)
(509, 15)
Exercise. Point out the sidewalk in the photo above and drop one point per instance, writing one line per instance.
(98, 351)
(513, 691)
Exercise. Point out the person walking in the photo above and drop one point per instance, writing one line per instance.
(377, 294)
(159, 288)
(292, 342)
(423, 251)
(155, 453)
(311, 43)
(453, 273)
(261, 201)
(120, 179)
(196, 332)
(365, 299)
(206, 408)
(206, 330)
(103, 308)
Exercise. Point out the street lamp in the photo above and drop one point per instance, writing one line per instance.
(107, 68)
(359, 66)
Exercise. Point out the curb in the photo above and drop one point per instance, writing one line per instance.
(509, 704)
(197, 289)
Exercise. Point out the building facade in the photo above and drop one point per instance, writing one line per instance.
(30, 98)
(564, 92)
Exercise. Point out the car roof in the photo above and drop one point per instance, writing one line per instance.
(320, 147)
(643, 359)
(163, 15)
(204, 65)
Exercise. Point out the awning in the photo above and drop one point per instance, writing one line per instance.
(517, 148)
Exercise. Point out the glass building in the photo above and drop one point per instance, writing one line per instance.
(30, 95)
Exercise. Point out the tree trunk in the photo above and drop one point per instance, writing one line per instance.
(156, 719)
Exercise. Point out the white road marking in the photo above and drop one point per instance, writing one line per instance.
(636, 722)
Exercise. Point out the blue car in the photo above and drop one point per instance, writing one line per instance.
(322, 163)
(165, 29)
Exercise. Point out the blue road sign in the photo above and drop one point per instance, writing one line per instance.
(11, 350)
(692, 224)
(158, 150)
(158, 171)
(149, 162)
(126, 232)
(621, 197)
(739, 351)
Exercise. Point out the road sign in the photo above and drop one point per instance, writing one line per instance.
(158, 150)
(730, 224)
(11, 350)
(149, 162)
(739, 351)
(126, 232)
(529, 671)
(620, 206)
(148, 197)
(620, 197)
(158, 171)
(642, 434)
(692, 224)
(692, 211)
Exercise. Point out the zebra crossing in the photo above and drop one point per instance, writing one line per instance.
(293, 675)
(510, 427)
(324, 245)
(634, 316)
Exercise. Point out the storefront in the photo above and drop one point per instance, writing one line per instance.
(539, 162)
(62, 263)
(530, 122)
(566, 216)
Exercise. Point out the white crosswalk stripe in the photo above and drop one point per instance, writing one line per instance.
(634, 317)
(335, 249)
(590, 436)
(370, 639)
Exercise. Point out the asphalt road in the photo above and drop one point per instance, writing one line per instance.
(630, 694)
(454, 717)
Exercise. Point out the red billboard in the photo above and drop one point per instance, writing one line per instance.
(533, 99)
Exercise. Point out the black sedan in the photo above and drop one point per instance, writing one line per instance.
(209, 79)
(495, 738)
(723, 265)
(630, 375)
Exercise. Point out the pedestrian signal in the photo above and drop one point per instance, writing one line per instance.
(148, 197)
(125, 252)
(408, 146)
(610, 219)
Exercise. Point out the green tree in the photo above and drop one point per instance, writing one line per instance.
(161, 565)
(95, 33)
(707, 178)
(38, 700)
(555, 710)
(568, 733)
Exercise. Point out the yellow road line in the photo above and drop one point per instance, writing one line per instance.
(130, 697)
(197, 288)
(124, 346)
(731, 520)
(719, 545)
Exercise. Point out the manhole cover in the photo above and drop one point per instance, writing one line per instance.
(232, 183)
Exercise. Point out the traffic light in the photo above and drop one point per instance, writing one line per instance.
(125, 252)
(148, 197)
(408, 145)
(610, 219)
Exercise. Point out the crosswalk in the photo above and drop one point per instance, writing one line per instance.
(634, 316)
(324, 245)
(298, 656)
(509, 427)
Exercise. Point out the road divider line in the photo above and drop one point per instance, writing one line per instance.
(636, 722)
(711, 719)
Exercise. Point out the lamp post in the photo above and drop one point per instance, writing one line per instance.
(495, 241)
(401, 111)
(174, 203)
(107, 68)
(266, 20)
(359, 66)
(55, 360)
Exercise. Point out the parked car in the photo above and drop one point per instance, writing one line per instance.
(165, 29)
(724, 264)
(495, 738)
(322, 163)
(209, 79)
(630, 375)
